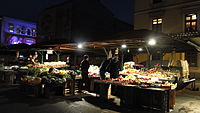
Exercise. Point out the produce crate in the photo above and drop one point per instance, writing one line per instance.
(77, 86)
(68, 88)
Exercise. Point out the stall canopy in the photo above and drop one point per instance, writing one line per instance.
(133, 40)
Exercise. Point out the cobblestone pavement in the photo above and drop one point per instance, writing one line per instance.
(14, 101)
(187, 104)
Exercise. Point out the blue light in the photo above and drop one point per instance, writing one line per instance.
(29, 41)
(18, 40)
(15, 40)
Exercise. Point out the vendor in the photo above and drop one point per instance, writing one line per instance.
(105, 65)
(84, 70)
(34, 59)
(30, 59)
(114, 67)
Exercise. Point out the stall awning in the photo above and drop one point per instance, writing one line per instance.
(133, 40)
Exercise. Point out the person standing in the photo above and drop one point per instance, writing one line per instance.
(114, 67)
(105, 65)
(84, 71)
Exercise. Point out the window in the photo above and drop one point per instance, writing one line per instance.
(34, 32)
(156, 1)
(23, 30)
(18, 30)
(11, 27)
(157, 24)
(190, 22)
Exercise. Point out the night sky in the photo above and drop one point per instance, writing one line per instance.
(29, 9)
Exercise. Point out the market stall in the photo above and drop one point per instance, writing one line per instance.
(50, 78)
(136, 86)
(139, 88)
(133, 96)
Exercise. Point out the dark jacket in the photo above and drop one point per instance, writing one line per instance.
(105, 65)
(114, 66)
(85, 65)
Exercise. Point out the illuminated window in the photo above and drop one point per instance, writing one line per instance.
(155, 21)
(34, 32)
(190, 22)
(157, 24)
(194, 17)
(159, 21)
(156, 1)
(11, 27)
(187, 18)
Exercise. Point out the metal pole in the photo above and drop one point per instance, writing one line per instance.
(122, 60)
(105, 51)
(58, 56)
(150, 57)
(42, 57)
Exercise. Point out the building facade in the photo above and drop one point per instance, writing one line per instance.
(179, 18)
(15, 31)
(168, 16)
(79, 21)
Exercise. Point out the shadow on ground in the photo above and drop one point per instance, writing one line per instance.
(111, 105)
(13, 95)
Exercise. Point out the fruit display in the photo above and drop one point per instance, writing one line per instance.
(128, 65)
(129, 71)
(42, 75)
(51, 64)
(39, 73)
(93, 71)
(32, 80)
(154, 77)
(133, 76)
(150, 78)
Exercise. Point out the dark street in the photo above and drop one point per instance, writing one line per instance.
(14, 101)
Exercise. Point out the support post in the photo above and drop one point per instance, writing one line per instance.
(42, 57)
(150, 57)
(58, 56)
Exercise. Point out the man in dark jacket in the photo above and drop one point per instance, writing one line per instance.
(114, 67)
(104, 68)
(84, 70)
